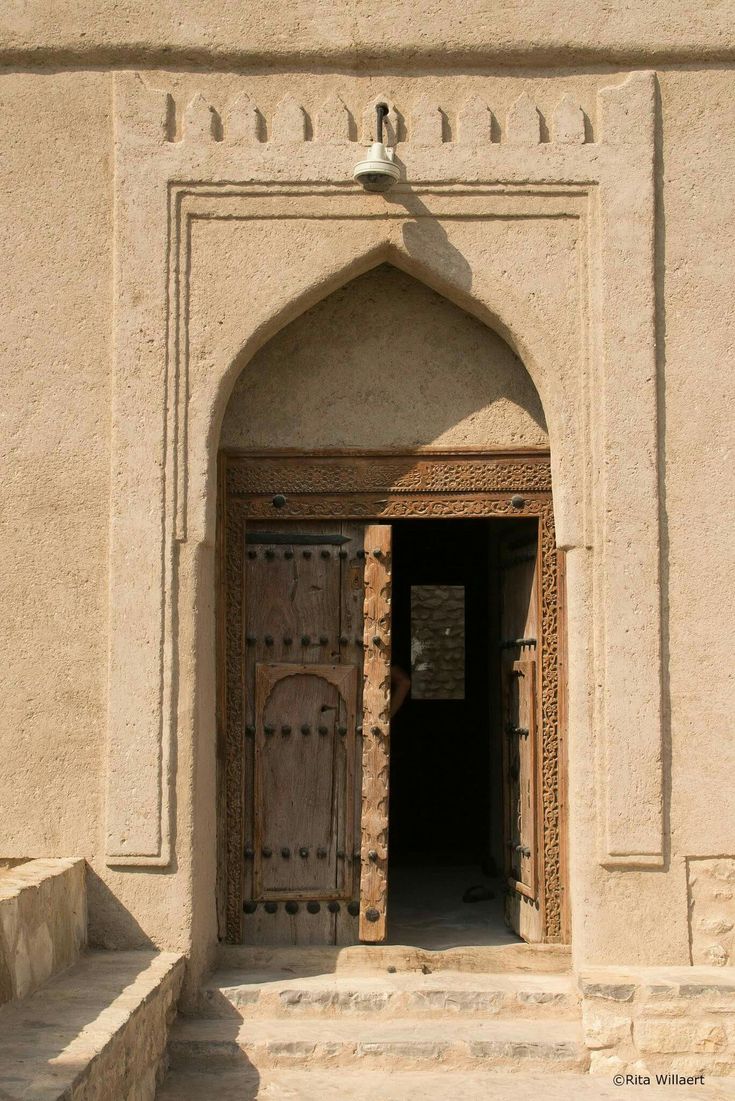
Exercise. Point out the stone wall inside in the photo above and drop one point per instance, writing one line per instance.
(56, 238)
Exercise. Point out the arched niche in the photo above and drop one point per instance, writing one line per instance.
(384, 361)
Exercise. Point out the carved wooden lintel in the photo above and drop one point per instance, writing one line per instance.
(374, 477)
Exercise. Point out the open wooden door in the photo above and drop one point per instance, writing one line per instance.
(376, 734)
(520, 646)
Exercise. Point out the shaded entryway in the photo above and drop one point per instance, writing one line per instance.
(380, 373)
(452, 832)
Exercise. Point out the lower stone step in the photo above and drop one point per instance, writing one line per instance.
(376, 1043)
(98, 1030)
(401, 994)
(247, 1084)
(318, 959)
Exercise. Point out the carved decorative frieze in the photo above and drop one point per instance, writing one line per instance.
(424, 122)
(394, 475)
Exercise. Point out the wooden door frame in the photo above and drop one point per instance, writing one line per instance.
(424, 483)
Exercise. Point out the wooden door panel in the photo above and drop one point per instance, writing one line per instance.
(520, 710)
(351, 631)
(376, 733)
(305, 723)
(279, 926)
(292, 595)
(520, 646)
(299, 788)
(342, 486)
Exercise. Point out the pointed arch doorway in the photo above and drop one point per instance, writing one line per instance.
(323, 559)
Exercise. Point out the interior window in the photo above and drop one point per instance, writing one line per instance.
(437, 642)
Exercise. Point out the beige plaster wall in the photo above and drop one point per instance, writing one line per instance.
(55, 230)
(362, 33)
(56, 222)
(56, 252)
(698, 197)
(384, 362)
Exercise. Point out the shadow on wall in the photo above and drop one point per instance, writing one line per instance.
(111, 925)
(385, 361)
(427, 230)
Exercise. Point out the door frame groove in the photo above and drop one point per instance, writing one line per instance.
(380, 485)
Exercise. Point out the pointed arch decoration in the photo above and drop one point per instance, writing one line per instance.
(223, 235)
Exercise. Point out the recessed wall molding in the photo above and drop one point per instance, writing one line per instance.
(474, 218)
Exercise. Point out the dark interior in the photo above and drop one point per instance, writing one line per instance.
(446, 815)
(440, 749)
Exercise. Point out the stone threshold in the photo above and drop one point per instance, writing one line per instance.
(320, 960)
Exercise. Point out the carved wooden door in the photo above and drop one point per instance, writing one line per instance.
(520, 647)
(306, 651)
(376, 734)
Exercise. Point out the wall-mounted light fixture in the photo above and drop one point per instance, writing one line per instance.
(378, 171)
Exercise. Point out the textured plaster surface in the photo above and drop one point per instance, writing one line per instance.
(55, 196)
(55, 345)
(565, 259)
(384, 362)
(361, 34)
(43, 923)
(56, 240)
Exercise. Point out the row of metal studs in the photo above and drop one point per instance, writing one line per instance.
(353, 908)
(270, 554)
(270, 730)
(323, 730)
(321, 853)
(306, 640)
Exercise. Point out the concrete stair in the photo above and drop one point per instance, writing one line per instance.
(94, 1032)
(404, 1044)
(76, 1025)
(415, 994)
(290, 1030)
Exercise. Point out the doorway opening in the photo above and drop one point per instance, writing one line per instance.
(339, 825)
(452, 830)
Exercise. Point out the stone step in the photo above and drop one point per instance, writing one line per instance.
(98, 1030)
(320, 959)
(408, 993)
(380, 1044)
(247, 1084)
(43, 923)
